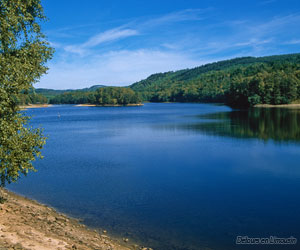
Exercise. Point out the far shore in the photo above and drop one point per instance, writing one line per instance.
(110, 105)
(31, 106)
(295, 105)
(26, 224)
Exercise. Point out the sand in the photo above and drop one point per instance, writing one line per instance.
(31, 106)
(26, 224)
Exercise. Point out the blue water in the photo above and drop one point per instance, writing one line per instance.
(172, 176)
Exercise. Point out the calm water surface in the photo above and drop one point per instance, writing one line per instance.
(172, 176)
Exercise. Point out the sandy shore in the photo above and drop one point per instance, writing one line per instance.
(30, 106)
(277, 106)
(109, 105)
(26, 224)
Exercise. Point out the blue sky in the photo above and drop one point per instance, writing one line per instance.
(121, 42)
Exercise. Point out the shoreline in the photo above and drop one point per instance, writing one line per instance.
(292, 105)
(31, 106)
(110, 105)
(27, 224)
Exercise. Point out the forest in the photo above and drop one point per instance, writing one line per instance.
(239, 82)
(30, 98)
(100, 96)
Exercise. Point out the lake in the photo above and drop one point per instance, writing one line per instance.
(172, 176)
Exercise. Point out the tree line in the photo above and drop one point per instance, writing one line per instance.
(274, 80)
(102, 96)
(30, 98)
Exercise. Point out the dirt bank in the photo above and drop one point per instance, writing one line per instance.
(31, 106)
(26, 224)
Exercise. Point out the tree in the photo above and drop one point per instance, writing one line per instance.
(23, 55)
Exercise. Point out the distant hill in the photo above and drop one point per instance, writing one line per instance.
(50, 93)
(241, 81)
(194, 73)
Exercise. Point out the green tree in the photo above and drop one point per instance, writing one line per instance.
(23, 54)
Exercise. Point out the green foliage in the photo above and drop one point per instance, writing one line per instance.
(102, 96)
(20, 145)
(116, 95)
(76, 97)
(238, 82)
(23, 54)
(50, 93)
(273, 83)
(30, 97)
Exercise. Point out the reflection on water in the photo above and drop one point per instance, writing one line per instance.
(282, 125)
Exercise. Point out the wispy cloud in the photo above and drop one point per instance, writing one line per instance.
(248, 37)
(276, 25)
(55, 44)
(267, 2)
(103, 37)
(133, 28)
(108, 36)
(179, 16)
(252, 42)
(293, 42)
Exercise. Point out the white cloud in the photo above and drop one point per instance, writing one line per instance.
(171, 46)
(55, 44)
(179, 16)
(107, 36)
(277, 25)
(76, 49)
(247, 37)
(252, 42)
(293, 42)
(267, 2)
(115, 68)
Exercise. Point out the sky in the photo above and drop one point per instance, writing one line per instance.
(117, 42)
